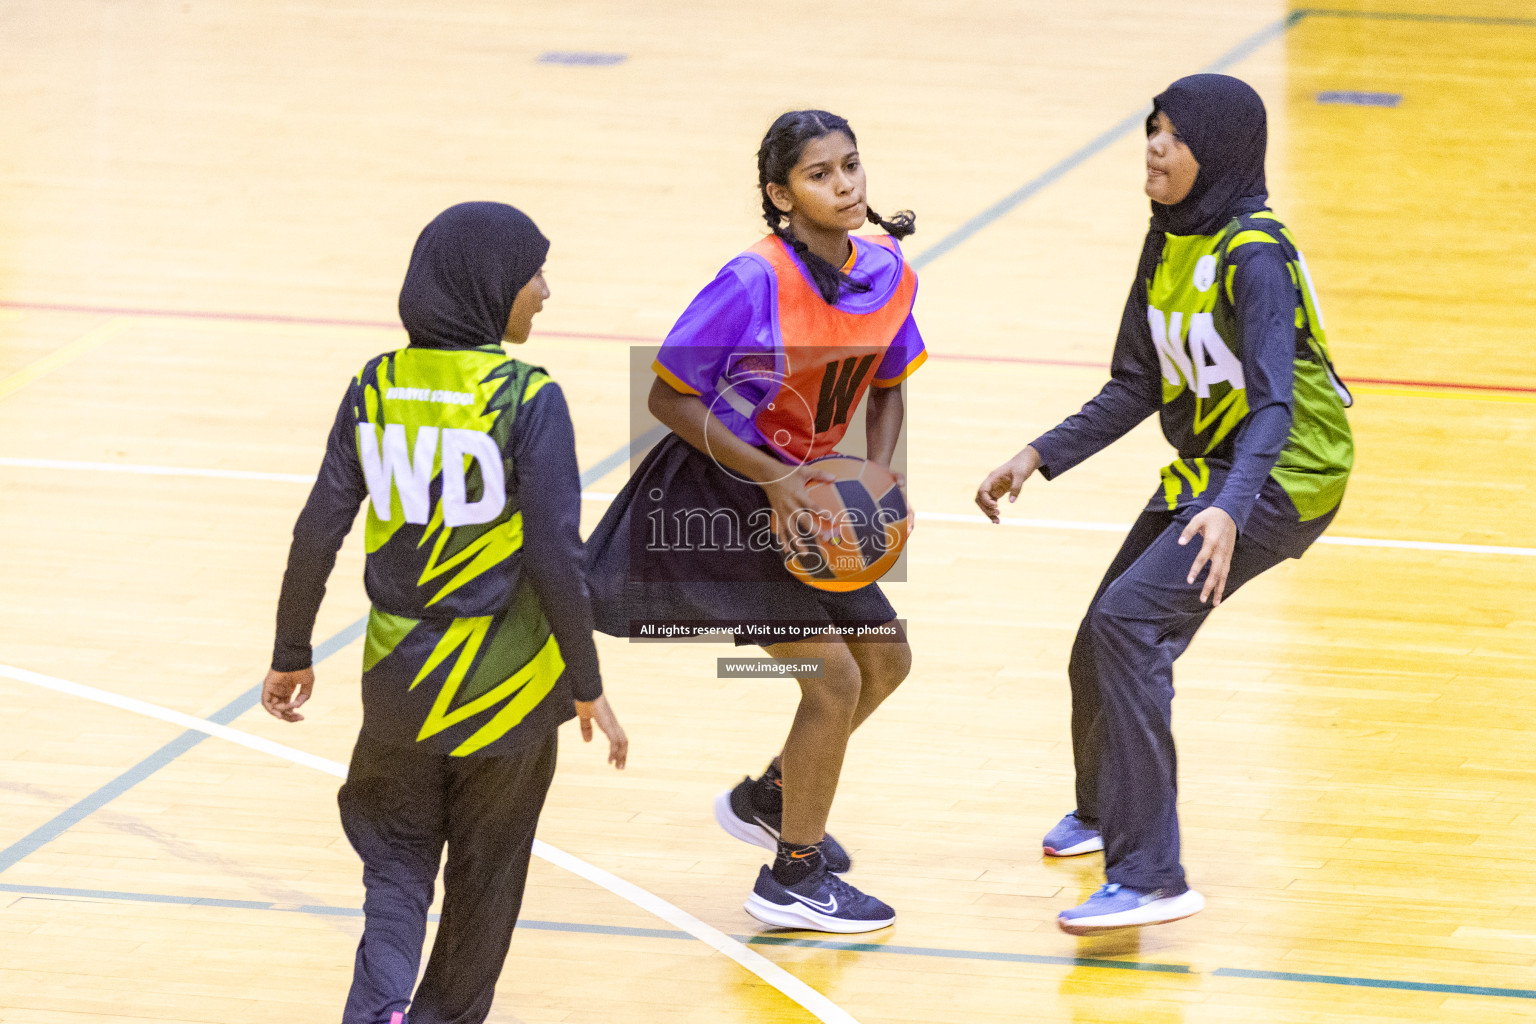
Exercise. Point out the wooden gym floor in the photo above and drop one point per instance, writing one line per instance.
(205, 211)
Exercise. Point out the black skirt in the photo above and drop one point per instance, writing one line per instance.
(688, 541)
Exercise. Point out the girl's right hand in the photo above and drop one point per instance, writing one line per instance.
(1006, 479)
(790, 499)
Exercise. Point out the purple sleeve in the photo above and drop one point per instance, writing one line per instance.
(713, 324)
(323, 524)
(1133, 392)
(904, 356)
(1266, 309)
(549, 494)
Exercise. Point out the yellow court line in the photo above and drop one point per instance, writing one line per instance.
(1464, 396)
(74, 350)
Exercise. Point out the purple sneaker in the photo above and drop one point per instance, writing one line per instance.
(820, 902)
(1071, 838)
(1116, 906)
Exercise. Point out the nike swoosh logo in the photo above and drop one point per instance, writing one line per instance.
(829, 907)
(766, 827)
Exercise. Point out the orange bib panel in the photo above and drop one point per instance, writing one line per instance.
(830, 356)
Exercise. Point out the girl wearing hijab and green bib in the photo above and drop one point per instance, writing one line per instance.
(479, 640)
(1221, 336)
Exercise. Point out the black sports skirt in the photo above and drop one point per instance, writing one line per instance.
(687, 541)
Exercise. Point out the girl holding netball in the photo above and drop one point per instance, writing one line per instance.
(757, 379)
(1221, 337)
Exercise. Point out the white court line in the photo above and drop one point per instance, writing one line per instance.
(1353, 542)
(820, 1006)
(941, 517)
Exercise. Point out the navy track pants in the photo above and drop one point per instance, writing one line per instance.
(399, 807)
(1142, 618)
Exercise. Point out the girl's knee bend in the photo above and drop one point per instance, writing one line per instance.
(890, 666)
(836, 690)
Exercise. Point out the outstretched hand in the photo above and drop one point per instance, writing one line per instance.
(618, 743)
(283, 693)
(1218, 535)
(1006, 479)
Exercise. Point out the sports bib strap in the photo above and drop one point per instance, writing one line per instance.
(826, 356)
(1311, 340)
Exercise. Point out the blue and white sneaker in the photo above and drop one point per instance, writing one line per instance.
(737, 814)
(1116, 906)
(819, 902)
(1071, 838)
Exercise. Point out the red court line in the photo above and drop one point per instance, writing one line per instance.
(1438, 384)
(320, 321)
(194, 314)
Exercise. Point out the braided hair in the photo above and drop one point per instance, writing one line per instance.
(781, 149)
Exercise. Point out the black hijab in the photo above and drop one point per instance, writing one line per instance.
(1222, 121)
(466, 270)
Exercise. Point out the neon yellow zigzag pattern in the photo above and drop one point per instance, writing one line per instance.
(488, 551)
(522, 690)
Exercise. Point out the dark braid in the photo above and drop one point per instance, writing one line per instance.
(781, 149)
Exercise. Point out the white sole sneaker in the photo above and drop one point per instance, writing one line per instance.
(1093, 845)
(747, 832)
(798, 915)
(1174, 908)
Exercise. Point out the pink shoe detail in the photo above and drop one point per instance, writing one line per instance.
(397, 1018)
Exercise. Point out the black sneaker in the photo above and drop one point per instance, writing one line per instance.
(740, 817)
(820, 902)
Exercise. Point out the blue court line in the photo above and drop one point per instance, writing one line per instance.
(827, 944)
(82, 809)
(1453, 19)
(613, 460)
(964, 954)
(992, 214)
(1410, 986)
(73, 815)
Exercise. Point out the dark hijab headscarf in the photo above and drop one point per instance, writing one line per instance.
(466, 270)
(1222, 121)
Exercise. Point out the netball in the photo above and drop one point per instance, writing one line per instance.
(870, 522)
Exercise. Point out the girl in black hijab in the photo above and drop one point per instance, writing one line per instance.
(1222, 338)
(479, 641)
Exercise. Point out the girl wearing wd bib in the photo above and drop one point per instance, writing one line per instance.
(479, 641)
(1221, 336)
(760, 376)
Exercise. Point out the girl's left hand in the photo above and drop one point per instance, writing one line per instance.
(1219, 537)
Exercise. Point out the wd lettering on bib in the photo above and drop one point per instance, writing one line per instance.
(412, 475)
